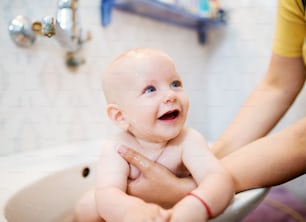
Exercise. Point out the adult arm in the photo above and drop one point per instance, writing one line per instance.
(276, 158)
(268, 102)
(271, 160)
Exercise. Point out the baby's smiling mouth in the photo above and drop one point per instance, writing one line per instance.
(173, 114)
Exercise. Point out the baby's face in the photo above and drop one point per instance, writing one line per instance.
(152, 98)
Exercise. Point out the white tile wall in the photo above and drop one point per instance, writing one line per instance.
(44, 104)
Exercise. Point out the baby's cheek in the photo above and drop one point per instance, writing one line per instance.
(134, 172)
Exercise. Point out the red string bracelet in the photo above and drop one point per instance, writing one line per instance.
(202, 202)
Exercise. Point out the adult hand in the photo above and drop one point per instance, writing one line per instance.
(156, 183)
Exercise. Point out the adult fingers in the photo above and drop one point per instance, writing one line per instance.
(135, 158)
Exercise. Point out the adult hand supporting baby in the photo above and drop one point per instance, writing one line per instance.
(156, 183)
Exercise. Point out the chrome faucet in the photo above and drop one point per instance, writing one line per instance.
(65, 28)
(68, 31)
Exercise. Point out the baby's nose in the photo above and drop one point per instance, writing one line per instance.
(170, 97)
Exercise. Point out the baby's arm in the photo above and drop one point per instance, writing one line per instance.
(113, 204)
(215, 186)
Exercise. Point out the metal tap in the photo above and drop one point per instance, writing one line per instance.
(68, 31)
(65, 28)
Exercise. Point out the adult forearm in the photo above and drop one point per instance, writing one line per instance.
(271, 160)
(256, 118)
(265, 106)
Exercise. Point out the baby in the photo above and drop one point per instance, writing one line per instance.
(147, 102)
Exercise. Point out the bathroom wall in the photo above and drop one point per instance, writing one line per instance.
(43, 104)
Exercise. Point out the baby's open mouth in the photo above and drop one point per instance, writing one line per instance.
(169, 115)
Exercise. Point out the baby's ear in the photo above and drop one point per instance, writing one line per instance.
(117, 116)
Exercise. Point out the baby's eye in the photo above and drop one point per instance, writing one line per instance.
(149, 89)
(176, 84)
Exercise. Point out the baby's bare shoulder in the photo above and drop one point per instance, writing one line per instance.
(190, 133)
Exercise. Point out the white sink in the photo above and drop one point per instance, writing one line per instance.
(44, 185)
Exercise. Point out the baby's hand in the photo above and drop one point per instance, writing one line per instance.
(147, 213)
